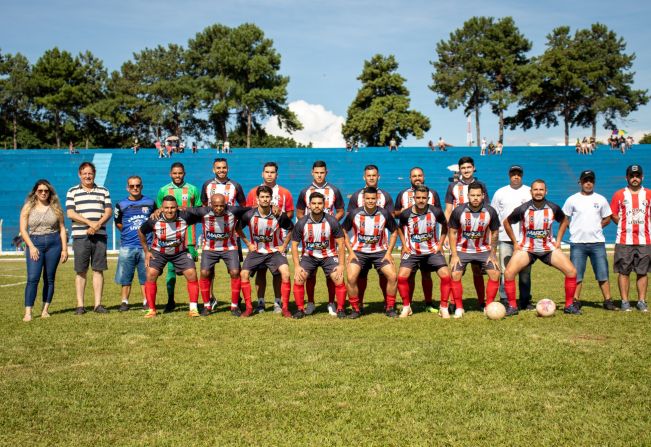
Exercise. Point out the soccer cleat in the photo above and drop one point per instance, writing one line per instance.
(169, 307)
(354, 315)
(80, 311)
(572, 309)
(391, 313)
(212, 304)
(444, 313)
(247, 313)
(341, 314)
(609, 305)
(278, 309)
(578, 304)
(626, 306)
(510, 311)
(100, 309)
(236, 312)
(260, 308)
(286, 313)
(458, 312)
(642, 307)
(123, 307)
(145, 307)
(151, 313)
(406, 312)
(310, 308)
(298, 315)
(193, 313)
(332, 310)
(205, 311)
(527, 306)
(431, 309)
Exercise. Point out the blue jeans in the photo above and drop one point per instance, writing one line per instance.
(130, 259)
(49, 247)
(596, 251)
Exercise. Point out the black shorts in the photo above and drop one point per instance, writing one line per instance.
(211, 257)
(368, 260)
(91, 250)
(255, 261)
(181, 261)
(544, 256)
(481, 259)
(632, 258)
(311, 263)
(427, 263)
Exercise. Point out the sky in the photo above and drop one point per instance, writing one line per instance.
(323, 45)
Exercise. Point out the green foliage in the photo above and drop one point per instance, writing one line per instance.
(380, 111)
(646, 139)
(15, 94)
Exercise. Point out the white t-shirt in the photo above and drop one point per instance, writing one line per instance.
(585, 213)
(505, 200)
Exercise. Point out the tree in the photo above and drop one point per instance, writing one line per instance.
(646, 139)
(380, 111)
(15, 91)
(91, 89)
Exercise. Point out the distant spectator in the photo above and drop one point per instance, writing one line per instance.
(443, 146)
(159, 148)
(182, 146)
(136, 146)
(194, 147)
(226, 147)
(393, 146)
(483, 146)
(498, 148)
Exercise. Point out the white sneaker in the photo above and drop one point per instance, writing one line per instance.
(406, 311)
(458, 313)
(444, 313)
(332, 310)
(277, 307)
(309, 309)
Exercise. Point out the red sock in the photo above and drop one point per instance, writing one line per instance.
(570, 288)
(361, 288)
(428, 287)
(491, 290)
(457, 294)
(509, 289)
(383, 286)
(331, 290)
(340, 291)
(478, 280)
(204, 288)
(150, 294)
(310, 284)
(403, 288)
(354, 303)
(299, 295)
(391, 301)
(285, 289)
(246, 291)
(236, 288)
(193, 291)
(446, 284)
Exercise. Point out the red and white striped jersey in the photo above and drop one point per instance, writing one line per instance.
(230, 189)
(536, 225)
(333, 199)
(318, 238)
(457, 193)
(219, 231)
(170, 235)
(405, 199)
(420, 230)
(634, 216)
(263, 229)
(281, 197)
(368, 229)
(384, 200)
(474, 227)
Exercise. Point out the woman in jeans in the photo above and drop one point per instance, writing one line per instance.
(44, 233)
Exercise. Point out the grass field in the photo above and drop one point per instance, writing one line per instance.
(119, 379)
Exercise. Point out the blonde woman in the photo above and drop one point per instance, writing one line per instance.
(44, 233)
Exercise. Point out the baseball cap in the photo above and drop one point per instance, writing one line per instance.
(587, 174)
(516, 168)
(633, 169)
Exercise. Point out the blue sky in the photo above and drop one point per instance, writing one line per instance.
(324, 43)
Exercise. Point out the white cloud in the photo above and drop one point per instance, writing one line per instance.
(321, 127)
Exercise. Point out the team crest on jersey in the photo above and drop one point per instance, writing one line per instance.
(145, 209)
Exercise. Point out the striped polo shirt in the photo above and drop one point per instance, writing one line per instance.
(89, 204)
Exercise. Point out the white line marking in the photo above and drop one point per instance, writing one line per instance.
(14, 284)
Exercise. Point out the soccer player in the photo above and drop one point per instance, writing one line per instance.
(282, 199)
(169, 247)
(334, 205)
(457, 194)
(422, 247)
(187, 195)
(323, 246)
(263, 251)
(473, 228)
(369, 247)
(505, 200)
(589, 213)
(632, 214)
(129, 215)
(536, 218)
(88, 206)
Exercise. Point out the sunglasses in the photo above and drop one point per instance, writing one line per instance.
(43, 191)
(136, 186)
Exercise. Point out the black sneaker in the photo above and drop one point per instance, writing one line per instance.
(100, 309)
(578, 304)
(236, 312)
(609, 305)
(391, 313)
(527, 306)
(205, 311)
(298, 315)
(341, 314)
(123, 307)
(212, 304)
(354, 315)
(572, 310)
(169, 307)
(510, 311)
(80, 311)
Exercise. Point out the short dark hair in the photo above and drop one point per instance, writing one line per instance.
(370, 190)
(475, 185)
(421, 188)
(414, 168)
(371, 168)
(87, 164)
(539, 180)
(270, 164)
(317, 195)
(263, 188)
(464, 160)
(170, 198)
(220, 160)
(177, 164)
(319, 164)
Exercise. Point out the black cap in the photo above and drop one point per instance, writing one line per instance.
(633, 169)
(516, 168)
(587, 174)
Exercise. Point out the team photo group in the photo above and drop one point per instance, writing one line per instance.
(499, 236)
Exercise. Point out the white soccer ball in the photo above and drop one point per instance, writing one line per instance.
(495, 311)
(545, 307)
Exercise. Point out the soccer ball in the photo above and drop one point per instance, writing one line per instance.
(545, 307)
(495, 311)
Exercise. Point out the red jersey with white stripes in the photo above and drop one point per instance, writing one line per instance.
(219, 231)
(230, 189)
(536, 225)
(457, 193)
(368, 229)
(318, 237)
(263, 228)
(384, 200)
(405, 199)
(170, 235)
(420, 230)
(634, 216)
(474, 227)
(280, 197)
(333, 199)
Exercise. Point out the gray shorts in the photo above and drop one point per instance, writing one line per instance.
(90, 250)
(632, 258)
(428, 263)
(181, 261)
(311, 263)
(480, 259)
(211, 257)
(255, 261)
(367, 260)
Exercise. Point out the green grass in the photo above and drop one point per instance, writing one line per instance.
(120, 379)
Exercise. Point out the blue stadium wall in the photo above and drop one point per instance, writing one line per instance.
(559, 166)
